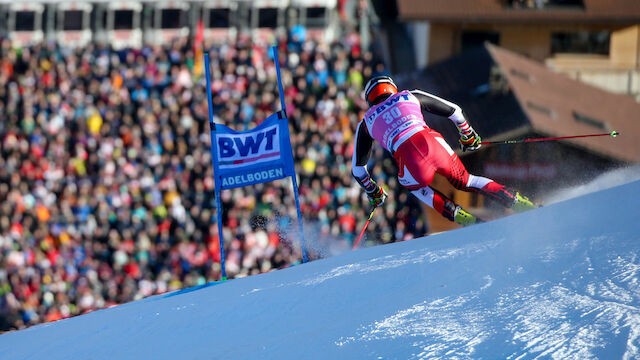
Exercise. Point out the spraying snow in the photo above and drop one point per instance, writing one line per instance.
(605, 181)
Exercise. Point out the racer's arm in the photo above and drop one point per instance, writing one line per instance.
(442, 107)
(361, 152)
(469, 139)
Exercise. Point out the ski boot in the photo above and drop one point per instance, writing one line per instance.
(465, 218)
(522, 203)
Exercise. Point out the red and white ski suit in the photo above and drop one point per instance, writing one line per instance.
(420, 152)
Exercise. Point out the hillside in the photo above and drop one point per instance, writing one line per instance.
(558, 282)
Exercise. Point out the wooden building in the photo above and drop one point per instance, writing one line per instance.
(595, 41)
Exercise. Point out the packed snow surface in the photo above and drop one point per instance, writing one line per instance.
(559, 282)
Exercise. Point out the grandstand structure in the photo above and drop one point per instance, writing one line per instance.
(131, 23)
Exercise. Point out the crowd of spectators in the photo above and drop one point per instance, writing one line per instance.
(106, 182)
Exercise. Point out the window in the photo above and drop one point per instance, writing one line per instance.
(219, 18)
(316, 12)
(545, 4)
(268, 18)
(471, 39)
(315, 16)
(72, 20)
(583, 42)
(541, 109)
(585, 119)
(123, 20)
(25, 20)
(171, 19)
(563, 3)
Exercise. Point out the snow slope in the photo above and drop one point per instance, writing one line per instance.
(559, 282)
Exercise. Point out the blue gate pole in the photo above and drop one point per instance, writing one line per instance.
(222, 265)
(293, 178)
(214, 158)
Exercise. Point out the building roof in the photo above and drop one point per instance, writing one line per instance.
(599, 11)
(507, 95)
(560, 106)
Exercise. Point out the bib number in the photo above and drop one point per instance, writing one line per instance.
(391, 115)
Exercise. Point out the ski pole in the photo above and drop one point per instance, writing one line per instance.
(363, 229)
(612, 134)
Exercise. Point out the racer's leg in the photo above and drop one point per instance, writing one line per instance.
(442, 204)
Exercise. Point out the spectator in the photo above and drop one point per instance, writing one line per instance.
(107, 182)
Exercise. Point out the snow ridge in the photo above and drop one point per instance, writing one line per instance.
(560, 282)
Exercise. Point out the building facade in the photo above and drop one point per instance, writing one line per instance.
(595, 41)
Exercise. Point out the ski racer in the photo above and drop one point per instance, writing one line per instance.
(395, 120)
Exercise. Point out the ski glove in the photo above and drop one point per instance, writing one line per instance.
(470, 141)
(377, 196)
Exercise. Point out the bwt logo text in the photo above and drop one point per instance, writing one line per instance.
(247, 144)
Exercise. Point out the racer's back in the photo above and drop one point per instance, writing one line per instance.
(394, 120)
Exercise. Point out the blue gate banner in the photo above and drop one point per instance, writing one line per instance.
(259, 155)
